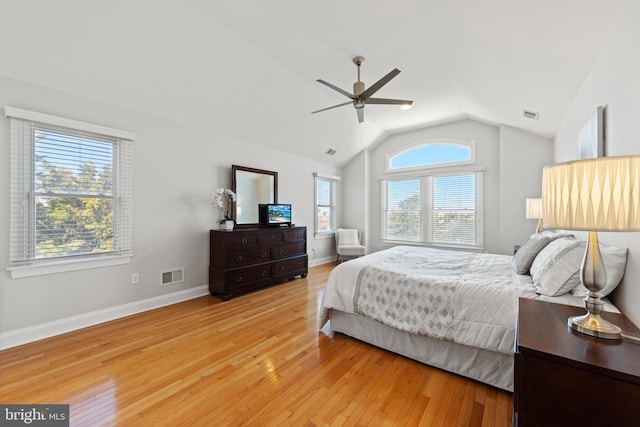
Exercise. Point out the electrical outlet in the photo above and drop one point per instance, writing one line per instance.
(135, 278)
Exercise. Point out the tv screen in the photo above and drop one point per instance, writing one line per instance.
(275, 214)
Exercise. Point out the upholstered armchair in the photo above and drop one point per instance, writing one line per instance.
(348, 244)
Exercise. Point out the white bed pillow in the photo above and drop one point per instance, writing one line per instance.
(615, 262)
(524, 256)
(556, 269)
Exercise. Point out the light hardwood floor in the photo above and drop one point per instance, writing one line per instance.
(255, 360)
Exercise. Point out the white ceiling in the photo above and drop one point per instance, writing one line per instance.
(247, 68)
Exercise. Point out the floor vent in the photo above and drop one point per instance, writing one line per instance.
(173, 276)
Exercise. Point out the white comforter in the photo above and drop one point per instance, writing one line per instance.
(481, 294)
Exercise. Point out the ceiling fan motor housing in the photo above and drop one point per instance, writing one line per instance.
(358, 88)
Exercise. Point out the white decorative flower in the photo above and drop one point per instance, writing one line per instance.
(223, 198)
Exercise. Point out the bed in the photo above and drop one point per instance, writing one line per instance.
(455, 310)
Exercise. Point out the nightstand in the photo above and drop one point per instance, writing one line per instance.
(565, 378)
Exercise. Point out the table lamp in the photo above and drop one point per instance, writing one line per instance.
(599, 194)
(534, 211)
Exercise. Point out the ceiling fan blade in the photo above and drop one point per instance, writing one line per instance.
(335, 106)
(337, 89)
(388, 101)
(360, 112)
(377, 85)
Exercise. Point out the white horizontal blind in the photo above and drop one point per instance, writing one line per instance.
(454, 209)
(70, 193)
(403, 210)
(324, 205)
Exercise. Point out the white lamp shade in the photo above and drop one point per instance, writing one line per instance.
(534, 208)
(600, 194)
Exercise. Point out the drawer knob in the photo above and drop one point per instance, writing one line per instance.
(239, 258)
(273, 237)
(265, 273)
(244, 240)
(264, 254)
(281, 251)
(239, 279)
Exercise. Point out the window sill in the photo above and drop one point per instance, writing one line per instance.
(390, 243)
(325, 235)
(43, 268)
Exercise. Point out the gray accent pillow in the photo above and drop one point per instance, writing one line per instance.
(556, 269)
(524, 256)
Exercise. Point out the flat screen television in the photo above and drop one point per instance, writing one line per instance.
(275, 214)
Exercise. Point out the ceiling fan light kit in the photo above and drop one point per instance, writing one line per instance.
(362, 96)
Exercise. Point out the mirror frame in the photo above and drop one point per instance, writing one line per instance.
(234, 170)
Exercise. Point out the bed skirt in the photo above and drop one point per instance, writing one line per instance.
(489, 367)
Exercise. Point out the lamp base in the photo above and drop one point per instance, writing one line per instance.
(596, 326)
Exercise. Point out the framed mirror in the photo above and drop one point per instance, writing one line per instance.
(252, 187)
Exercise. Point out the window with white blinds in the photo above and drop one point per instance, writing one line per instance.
(71, 189)
(454, 210)
(403, 210)
(434, 209)
(325, 200)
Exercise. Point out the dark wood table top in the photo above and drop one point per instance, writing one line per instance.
(543, 332)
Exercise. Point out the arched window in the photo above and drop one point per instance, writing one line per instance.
(436, 153)
(432, 195)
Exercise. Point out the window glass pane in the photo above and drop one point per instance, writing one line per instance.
(403, 210)
(324, 218)
(431, 154)
(72, 164)
(73, 226)
(454, 209)
(323, 192)
(325, 210)
(74, 204)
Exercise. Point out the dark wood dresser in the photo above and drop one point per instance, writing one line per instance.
(565, 378)
(247, 259)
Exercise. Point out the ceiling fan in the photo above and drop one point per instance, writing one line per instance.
(360, 96)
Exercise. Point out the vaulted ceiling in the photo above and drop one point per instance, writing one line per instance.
(248, 68)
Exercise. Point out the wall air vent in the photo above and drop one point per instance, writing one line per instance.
(173, 276)
(530, 114)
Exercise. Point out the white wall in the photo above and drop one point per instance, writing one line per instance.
(355, 197)
(513, 160)
(522, 157)
(615, 82)
(175, 171)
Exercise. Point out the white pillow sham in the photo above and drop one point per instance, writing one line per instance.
(556, 269)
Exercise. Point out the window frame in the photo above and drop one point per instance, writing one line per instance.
(470, 144)
(426, 176)
(333, 181)
(22, 228)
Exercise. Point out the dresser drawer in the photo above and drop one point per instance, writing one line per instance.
(287, 267)
(286, 251)
(237, 258)
(267, 237)
(246, 276)
(292, 234)
(242, 240)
